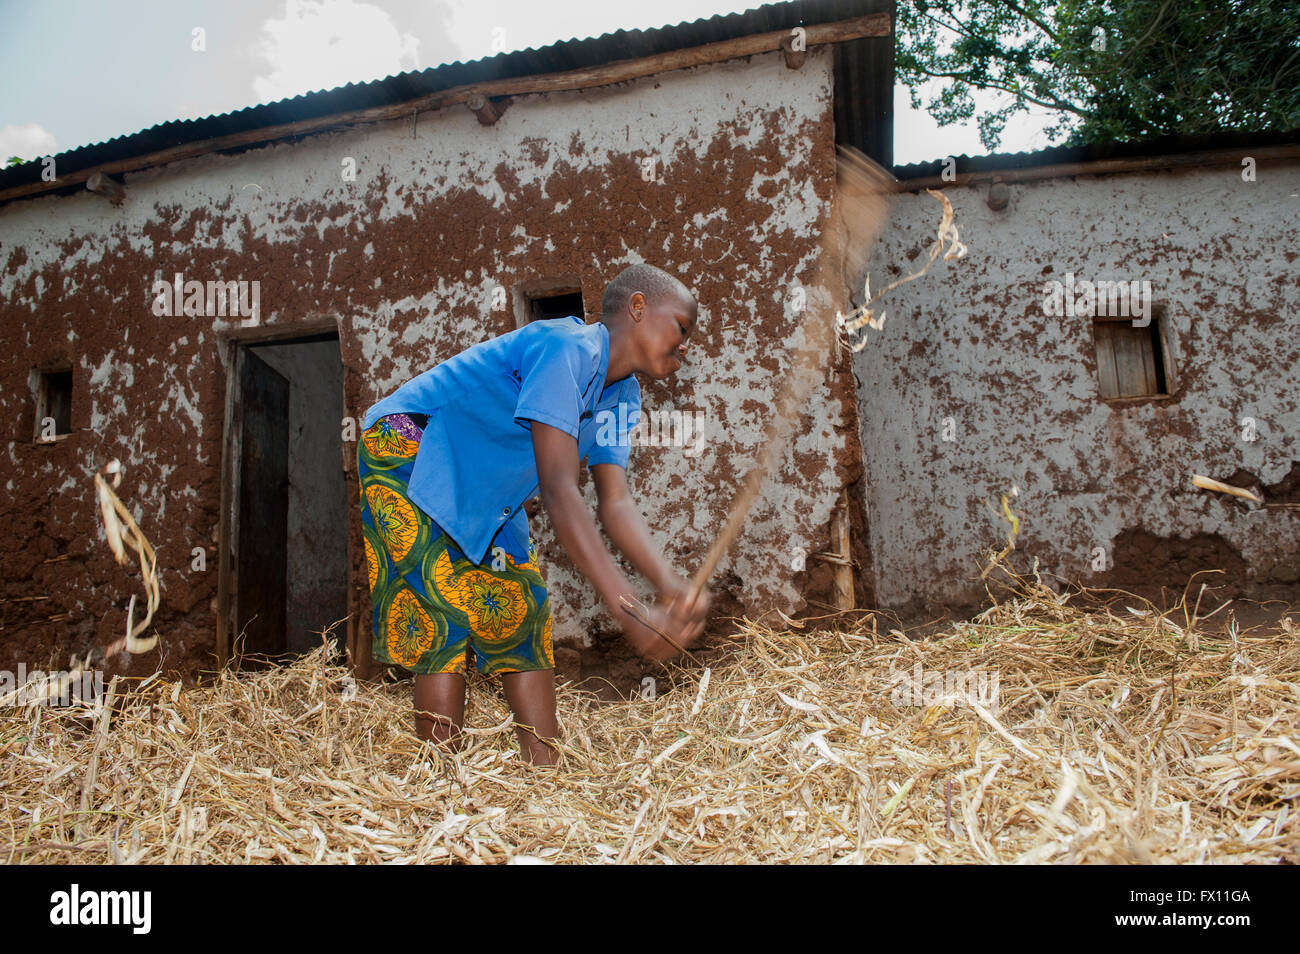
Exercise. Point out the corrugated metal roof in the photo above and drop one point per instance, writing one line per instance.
(864, 92)
(1058, 155)
(558, 57)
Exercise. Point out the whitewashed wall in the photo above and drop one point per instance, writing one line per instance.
(971, 344)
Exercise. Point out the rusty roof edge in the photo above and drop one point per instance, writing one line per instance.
(346, 102)
(1167, 152)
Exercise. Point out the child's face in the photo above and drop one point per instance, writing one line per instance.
(665, 327)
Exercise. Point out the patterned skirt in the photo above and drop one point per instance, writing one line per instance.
(432, 604)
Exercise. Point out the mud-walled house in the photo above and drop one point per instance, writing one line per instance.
(1126, 321)
(215, 303)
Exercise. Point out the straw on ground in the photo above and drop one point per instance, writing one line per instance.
(1118, 737)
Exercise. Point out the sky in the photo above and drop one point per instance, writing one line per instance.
(85, 71)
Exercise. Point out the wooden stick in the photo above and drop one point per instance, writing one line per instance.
(861, 188)
(1208, 483)
(844, 571)
(638, 610)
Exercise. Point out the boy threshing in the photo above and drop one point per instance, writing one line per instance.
(446, 463)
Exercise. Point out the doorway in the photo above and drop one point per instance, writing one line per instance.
(284, 511)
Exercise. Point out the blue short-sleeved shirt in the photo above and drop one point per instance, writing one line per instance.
(475, 467)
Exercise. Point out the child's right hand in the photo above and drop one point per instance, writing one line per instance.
(649, 644)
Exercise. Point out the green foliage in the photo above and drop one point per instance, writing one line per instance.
(14, 161)
(1110, 69)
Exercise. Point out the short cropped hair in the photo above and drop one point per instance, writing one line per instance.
(654, 283)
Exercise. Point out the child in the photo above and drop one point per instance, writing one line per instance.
(446, 463)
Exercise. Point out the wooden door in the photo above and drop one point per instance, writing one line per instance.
(261, 520)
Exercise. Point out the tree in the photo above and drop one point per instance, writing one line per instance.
(1110, 69)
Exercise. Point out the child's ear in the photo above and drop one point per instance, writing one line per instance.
(636, 306)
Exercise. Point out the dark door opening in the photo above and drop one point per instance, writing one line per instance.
(286, 566)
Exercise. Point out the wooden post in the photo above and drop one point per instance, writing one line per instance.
(843, 560)
(794, 58)
(999, 195)
(487, 111)
(229, 497)
(109, 188)
(843, 570)
(360, 611)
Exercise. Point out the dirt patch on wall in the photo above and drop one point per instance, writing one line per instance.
(1161, 569)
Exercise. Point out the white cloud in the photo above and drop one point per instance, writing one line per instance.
(30, 140)
(321, 45)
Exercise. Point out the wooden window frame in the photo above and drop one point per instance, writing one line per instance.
(527, 293)
(1157, 368)
(41, 380)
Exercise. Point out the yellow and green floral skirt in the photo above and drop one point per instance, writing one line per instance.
(432, 604)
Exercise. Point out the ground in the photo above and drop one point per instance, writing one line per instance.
(1050, 727)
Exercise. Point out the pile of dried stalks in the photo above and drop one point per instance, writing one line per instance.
(1116, 737)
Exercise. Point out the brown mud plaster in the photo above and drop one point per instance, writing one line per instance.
(403, 260)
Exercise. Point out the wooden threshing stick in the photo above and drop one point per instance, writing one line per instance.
(856, 220)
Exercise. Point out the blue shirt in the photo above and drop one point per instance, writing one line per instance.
(475, 467)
